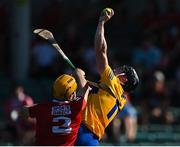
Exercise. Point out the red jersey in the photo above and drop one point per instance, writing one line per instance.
(57, 122)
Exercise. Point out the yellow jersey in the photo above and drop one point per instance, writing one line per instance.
(103, 105)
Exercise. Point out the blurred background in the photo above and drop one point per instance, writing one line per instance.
(143, 33)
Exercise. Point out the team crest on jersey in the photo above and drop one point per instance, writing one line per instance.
(61, 110)
(111, 75)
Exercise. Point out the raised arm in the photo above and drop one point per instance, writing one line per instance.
(100, 41)
(83, 88)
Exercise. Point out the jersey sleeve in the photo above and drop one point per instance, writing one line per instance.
(33, 110)
(112, 82)
(83, 104)
(80, 103)
(107, 76)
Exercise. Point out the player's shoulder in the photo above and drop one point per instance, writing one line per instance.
(107, 73)
(106, 69)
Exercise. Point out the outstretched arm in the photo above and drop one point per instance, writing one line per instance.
(100, 41)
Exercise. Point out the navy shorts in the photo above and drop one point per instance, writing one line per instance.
(85, 137)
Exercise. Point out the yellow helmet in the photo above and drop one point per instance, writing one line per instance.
(64, 86)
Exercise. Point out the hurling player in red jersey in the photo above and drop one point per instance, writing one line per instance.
(58, 121)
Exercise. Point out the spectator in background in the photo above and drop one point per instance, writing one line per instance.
(89, 56)
(72, 40)
(148, 56)
(43, 59)
(158, 101)
(19, 128)
(127, 119)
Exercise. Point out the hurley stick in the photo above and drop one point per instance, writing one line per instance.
(47, 35)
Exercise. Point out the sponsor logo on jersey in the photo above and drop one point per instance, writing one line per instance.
(61, 110)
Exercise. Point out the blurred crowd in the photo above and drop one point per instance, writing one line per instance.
(149, 41)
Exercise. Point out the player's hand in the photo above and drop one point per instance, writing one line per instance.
(80, 78)
(106, 15)
(79, 72)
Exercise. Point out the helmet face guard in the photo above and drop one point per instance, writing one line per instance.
(132, 78)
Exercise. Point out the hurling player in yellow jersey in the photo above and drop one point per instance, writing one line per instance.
(107, 99)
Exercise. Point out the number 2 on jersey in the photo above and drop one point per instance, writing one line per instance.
(64, 128)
